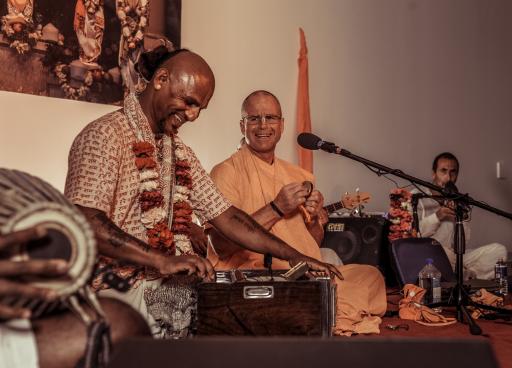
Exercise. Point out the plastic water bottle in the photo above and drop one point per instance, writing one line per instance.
(430, 280)
(500, 274)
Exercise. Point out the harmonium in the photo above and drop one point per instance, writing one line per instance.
(263, 303)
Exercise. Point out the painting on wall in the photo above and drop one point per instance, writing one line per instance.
(81, 49)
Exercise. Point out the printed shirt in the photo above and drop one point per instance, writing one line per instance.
(102, 175)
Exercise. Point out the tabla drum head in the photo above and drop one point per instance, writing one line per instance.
(27, 201)
(69, 238)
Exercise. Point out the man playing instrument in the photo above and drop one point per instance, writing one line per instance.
(275, 193)
(138, 184)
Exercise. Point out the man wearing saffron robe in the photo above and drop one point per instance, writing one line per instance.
(272, 191)
(138, 184)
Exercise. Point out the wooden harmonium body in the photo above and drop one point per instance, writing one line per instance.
(254, 303)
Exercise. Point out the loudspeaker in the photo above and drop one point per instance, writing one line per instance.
(358, 239)
(276, 352)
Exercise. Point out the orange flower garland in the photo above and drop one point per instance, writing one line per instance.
(151, 200)
(400, 215)
(159, 235)
(182, 209)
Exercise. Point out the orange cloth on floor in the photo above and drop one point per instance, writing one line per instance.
(410, 307)
(250, 183)
(486, 298)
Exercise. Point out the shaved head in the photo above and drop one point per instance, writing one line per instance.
(262, 123)
(255, 96)
(182, 83)
(189, 63)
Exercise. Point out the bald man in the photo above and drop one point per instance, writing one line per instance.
(138, 184)
(272, 191)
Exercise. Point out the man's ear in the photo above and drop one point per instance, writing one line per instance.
(242, 127)
(161, 77)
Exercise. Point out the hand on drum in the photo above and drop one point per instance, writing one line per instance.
(11, 270)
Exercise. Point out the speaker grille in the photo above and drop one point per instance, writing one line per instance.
(357, 239)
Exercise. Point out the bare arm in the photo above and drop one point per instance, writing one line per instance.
(287, 201)
(224, 247)
(242, 229)
(115, 243)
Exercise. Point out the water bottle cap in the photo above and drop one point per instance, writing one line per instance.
(430, 261)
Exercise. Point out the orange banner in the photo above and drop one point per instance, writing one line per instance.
(303, 112)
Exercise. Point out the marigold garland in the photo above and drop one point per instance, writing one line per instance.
(175, 240)
(400, 215)
(61, 71)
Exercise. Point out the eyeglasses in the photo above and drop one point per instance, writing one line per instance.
(257, 119)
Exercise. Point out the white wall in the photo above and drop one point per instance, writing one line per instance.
(36, 133)
(395, 81)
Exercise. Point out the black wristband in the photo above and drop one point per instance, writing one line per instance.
(276, 209)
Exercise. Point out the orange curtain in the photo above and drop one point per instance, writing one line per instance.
(303, 113)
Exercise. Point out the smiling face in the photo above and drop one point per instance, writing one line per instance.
(185, 86)
(262, 124)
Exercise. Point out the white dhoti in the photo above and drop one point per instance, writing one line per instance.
(479, 263)
(167, 306)
(18, 347)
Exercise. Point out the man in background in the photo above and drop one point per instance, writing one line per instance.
(437, 220)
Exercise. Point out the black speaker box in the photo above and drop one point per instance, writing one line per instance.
(256, 352)
(358, 239)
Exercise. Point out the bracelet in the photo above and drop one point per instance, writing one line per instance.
(276, 209)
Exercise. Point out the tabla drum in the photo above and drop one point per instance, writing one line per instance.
(27, 201)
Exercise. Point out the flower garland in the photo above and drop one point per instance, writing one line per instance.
(173, 240)
(71, 92)
(18, 27)
(400, 215)
(92, 6)
(182, 208)
(151, 199)
(134, 20)
(21, 36)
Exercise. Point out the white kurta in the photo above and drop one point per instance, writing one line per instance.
(478, 262)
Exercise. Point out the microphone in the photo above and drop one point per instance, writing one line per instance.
(312, 142)
(451, 188)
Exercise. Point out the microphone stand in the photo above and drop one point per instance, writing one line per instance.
(462, 202)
